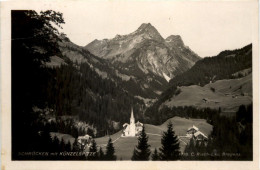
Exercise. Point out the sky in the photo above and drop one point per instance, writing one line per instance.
(206, 27)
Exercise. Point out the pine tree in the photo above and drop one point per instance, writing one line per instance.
(135, 155)
(190, 149)
(142, 151)
(46, 141)
(203, 150)
(101, 154)
(75, 146)
(110, 151)
(68, 147)
(56, 144)
(155, 155)
(62, 145)
(170, 145)
(93, 151)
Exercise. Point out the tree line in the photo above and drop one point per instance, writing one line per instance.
(157, 117)
(230, 139)
(206, 70)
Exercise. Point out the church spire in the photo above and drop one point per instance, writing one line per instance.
(132, 113)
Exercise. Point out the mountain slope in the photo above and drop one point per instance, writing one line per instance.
(145, 86)
(148, 49)
(200, 82)
(227, 94)
(146, 57)
(83, 86)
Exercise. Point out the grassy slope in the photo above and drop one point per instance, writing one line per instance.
(124, 146)
(227, 94)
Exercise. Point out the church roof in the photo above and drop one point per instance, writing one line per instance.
(86, 137)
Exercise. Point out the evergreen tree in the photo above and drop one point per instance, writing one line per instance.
(202, 150)
(62, 145)
(75, 146)
(68, 147)
(30, 32)
(46, 141)
(155, 155)
(101, 154)
(135, 155)
(90, 132)
(56, 144)
(93, 151)
(170, 145)
(190, 150)
(142, 151)
(110, 151)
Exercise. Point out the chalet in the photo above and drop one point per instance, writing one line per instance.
(205, 100)
(200, 136)
(192, 130)
(84, 141)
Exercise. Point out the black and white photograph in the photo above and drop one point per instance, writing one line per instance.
(167, 81)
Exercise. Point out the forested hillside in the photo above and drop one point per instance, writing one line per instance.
(205, 71)
(77, 90)
(46, 96)
(130, 79)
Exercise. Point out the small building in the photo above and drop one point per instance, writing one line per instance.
(200, 136)
(84, 141)
(192, 130)
(138, 127)
(205, 100)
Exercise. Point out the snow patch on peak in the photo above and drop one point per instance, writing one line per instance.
(167, 78)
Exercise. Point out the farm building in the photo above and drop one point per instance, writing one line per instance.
(84, 141)
(194, 132)
(200, 136)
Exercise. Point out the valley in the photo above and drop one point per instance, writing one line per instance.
(62, 91)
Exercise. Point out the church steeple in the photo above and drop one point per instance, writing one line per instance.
(132, 118)
(132, 113)
(132, 124)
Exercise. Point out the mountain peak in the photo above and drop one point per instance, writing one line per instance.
(150, 31)
(145, 25)
(175, 39)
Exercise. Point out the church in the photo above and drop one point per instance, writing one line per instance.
(132, 129)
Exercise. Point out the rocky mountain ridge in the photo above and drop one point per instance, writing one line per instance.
(148, 50)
